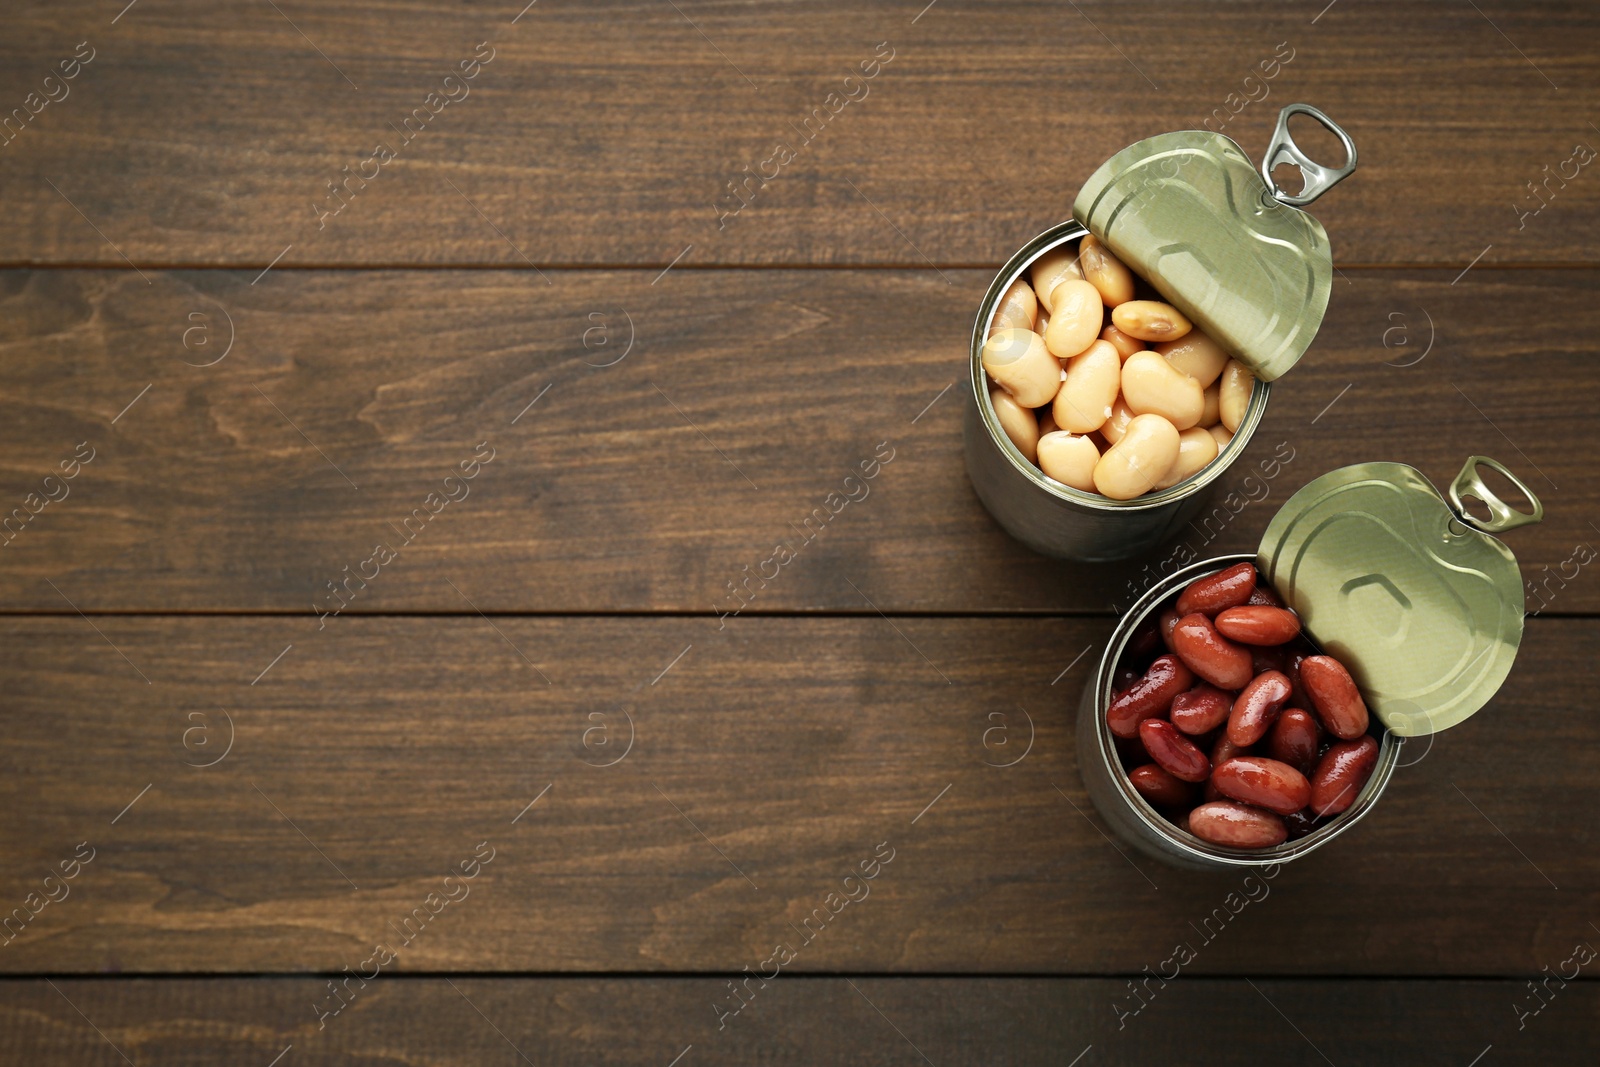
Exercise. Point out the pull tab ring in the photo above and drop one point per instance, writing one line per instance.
(1502, 516)
(1282, 149)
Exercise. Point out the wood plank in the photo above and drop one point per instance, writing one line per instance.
(769, 760)
(746, 399)
(607, 133)
(433, 1022)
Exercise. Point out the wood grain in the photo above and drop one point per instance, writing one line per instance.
(606, 133)
(745, 400)
(768, 761)
(432, 1022)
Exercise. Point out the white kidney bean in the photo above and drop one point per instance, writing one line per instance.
(1051, 269)
(1125, 345)
(1069, 459)
(1042, 323)
(1222, 434)
(1018, 308)
(1018, 422)
(1196, 355)
(1020, 363)
(1084, 402)
(1213, 412)
(1150, 320)
(1075, 318)
(1105, 272)
(1196, 448)
(1134, 464)
(1152, 386)
(1237, 385)
(1117, 424)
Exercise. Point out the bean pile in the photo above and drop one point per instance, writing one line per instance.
(1240, 732)
(1085, 400)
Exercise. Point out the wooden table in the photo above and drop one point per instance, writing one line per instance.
(402, 523)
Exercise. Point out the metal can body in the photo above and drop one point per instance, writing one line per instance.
(1046, 515)
(1130, 815)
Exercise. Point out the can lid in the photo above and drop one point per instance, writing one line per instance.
(1413, 594)
(1221, 242)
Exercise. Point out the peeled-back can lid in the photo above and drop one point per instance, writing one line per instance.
(1413, 594)
(1222, 243)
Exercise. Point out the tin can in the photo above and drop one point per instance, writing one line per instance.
(1415, 596)
(1221, 242)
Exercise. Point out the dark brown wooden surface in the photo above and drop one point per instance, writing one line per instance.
(656, 431)
(766, 763)
(606, 133)
(455, 1022)
(747, 398)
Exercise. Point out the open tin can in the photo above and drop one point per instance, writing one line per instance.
(1413, 594)
(1226, 246)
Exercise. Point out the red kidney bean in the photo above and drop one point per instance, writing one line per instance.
(1226, 589)
(1335, 696)
(1221, 750)
(1150, 695)
(1264, 597)
(1223, 822)
(1266, 783)
(1169, 619)
(1177, 755)
(1209, 654)
(1258, 625)
(1159, 787)
(1341, 774)
(1300, 823)
(1256, 707)
(1201, 709)
(1294, 738)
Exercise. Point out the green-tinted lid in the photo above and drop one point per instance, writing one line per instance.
(1414, 595)
(1221, 242)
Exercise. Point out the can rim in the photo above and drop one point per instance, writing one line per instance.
(1388, 746)
(1058, 235)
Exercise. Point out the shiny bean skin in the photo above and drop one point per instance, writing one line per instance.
(1222, 434)
(1266, 783)
(1341, 774)
(1018, 308)
(1213, 657)
(1117, 424)
(1221, 752)
(1051, 269)
(1237, 385)
(1334, 694)
(1211, 407)
(1018, 422)
(1084, 401)
(1105, 272)
(1176, 754)
(1125, 345)
(1042, 323)
(1169, 619)
(1258, 625)
(1151, 695)
(1196, 355)
(1069, 458)
(1234, 825)
(1076, 315)
(1294, 738)
(1150, 320)
(1201, 709)
(1227, 588)
(1020, 364)
(1151, 386)
(1265, 597)
(1196, 449)
(1133, 465)
(1256, 707)
(1159, 787)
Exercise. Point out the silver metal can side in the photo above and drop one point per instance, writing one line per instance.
(1131, 816)
(1042, 513)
